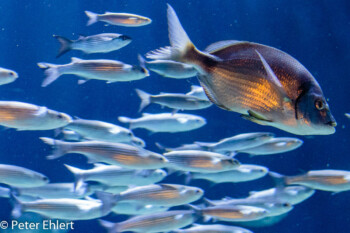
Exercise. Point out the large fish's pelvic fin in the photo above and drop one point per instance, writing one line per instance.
(256, 118)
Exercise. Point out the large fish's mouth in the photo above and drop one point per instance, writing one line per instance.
(332, 123)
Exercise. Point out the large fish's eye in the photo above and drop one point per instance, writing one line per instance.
(60, 116)
(319, 104)
(11, 74)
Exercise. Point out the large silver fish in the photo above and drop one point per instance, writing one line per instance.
(119, 19)
(24, 116)
(264, 84)
(101, 69)
(100, 43)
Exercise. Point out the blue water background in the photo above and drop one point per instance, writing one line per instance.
(314, 32)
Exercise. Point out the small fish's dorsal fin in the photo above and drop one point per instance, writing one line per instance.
(220, 45)
(168, 186)
(147, 114)
(75, 59)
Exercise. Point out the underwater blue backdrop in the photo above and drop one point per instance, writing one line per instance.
(315, 32)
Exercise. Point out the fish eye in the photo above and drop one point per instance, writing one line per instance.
(45, 179)
(11, 74)
(124, 37)
(60, 116)
(319, 105)
(286, 205)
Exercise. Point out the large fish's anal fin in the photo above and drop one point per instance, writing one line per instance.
(256, 118)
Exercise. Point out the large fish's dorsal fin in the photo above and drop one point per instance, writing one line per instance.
(168, 186)
(221, 45)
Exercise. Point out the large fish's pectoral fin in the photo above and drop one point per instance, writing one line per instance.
(270, 75)
(256, 118)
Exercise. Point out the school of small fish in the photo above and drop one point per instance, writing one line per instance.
(128, 179)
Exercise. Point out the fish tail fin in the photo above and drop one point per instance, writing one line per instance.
(126, 120)
(17, 207)
(78, 175)
(65, 45)
(108, 201)
(93, 17)
(182, 49)
(188, 177)
(145, 99)
(280, 180)
(51, 71)
(59, 147)
(109, 226)
(197, 209)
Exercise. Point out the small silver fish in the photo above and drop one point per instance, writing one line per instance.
(216, 228)
(245, 172)
(169, 69)
(161, 195)
(100, 43)
(66, 208)
(100, 131)
(7, 76)
(274, 146)
(130, 208)
(291, 194)
(119, 154)
(159, 222)
(24, 116)
(233, 213)
(347, 115)
(274, 206)
(107, 70)
(54, 191)
(198, 92)
(200, 161)
(172, 100)
(263, 84)
(326, 180)
(114, 175)
(238, 142)
(21, 177)
(165, 122)
(119, 19)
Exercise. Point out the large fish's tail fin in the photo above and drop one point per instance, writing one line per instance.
(182, 49)
(17, 207)
(93, 17)
(59, 147)
(51, 71)
(78, 175)
(109, 226)
(145, 99)
(65, 45)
